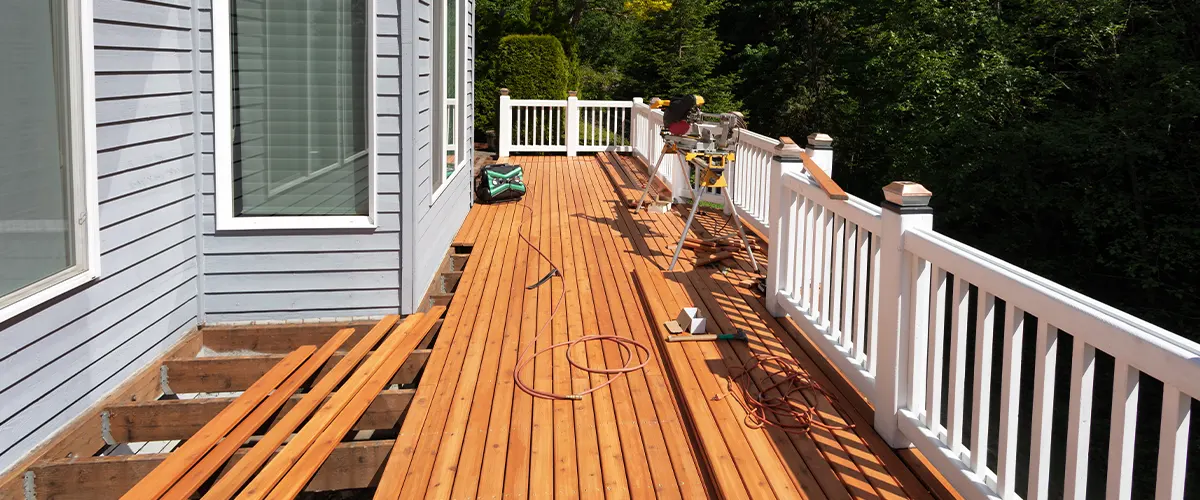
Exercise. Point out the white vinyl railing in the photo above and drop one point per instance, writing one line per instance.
(882, 295)
(919, 322)
(563, 126)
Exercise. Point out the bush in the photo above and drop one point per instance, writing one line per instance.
(533, 67)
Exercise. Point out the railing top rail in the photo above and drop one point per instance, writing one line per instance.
(605, 104)
(854, 209)
(1151, 349)
(755, 139)
(539, 102)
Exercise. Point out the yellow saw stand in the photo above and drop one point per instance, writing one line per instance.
(710, 173)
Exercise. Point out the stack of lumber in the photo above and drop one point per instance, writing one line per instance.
(289, 469)
(747, 460)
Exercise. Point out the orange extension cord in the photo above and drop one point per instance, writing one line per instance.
(627, 345)
(787, 410)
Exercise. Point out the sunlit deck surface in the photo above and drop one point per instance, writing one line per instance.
(470, 433)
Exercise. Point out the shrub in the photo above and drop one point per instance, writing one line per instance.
(533, 67)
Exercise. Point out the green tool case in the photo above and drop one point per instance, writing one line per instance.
(500, 182)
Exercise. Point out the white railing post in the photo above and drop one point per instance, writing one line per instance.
(905, 207)
(572, 123)
(820, 149)
(787, 156)
(505, 135)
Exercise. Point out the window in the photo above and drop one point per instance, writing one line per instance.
(294, 94)
(49, 233)
(453, 152)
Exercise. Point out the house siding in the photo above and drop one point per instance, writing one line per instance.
(434, 221)
(296, 275)
(165, 269)
(64, 356)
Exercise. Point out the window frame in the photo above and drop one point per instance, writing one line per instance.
(226, 220)
(84, 193)
(460, 92)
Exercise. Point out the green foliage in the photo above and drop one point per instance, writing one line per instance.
(1059, 135)
(533, 67)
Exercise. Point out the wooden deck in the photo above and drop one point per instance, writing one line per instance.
(668, 431)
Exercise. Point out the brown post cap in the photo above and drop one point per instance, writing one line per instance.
(907, 194)
(503, 91)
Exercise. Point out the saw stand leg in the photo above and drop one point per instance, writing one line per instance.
(654, 173)
(737, 223)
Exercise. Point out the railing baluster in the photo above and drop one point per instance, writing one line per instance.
(982, 393)
(848, 246)
(1043, 408)
(835, 295)
(608, 127)
(1079, 420)
(922, 274)
(827, 248)
(795, 229)
(1010, 401)
(873, 331)
(862, 312)
(809, 245)
(1122, 428)
(937, 336)
(958, 365)
(1173, 443)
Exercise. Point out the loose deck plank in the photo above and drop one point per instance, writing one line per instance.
(410, 333)
(206, 467)
(229, 484)
(178, 462)
(279, 465)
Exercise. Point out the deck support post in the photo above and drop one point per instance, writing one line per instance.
(905, 208)
(505, 135)
(572, 118)
(779, 207)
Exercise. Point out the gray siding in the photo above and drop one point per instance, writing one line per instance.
(292, 275)
(164, 267)
(64, 356)
(434, 221)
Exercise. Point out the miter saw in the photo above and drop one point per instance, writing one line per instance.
(703, 141)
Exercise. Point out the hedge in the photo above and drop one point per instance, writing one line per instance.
(533, 67)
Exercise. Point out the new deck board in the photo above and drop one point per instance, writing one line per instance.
(654, 433)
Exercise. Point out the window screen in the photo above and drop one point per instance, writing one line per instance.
(299, 97)
(37, 232)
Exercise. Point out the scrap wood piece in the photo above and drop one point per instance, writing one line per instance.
(719, 256)
(230, 483)
(182, 459)
(279, 466)
(213, 461)
(303, 471)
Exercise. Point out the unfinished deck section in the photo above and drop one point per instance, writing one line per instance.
(661, 432)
